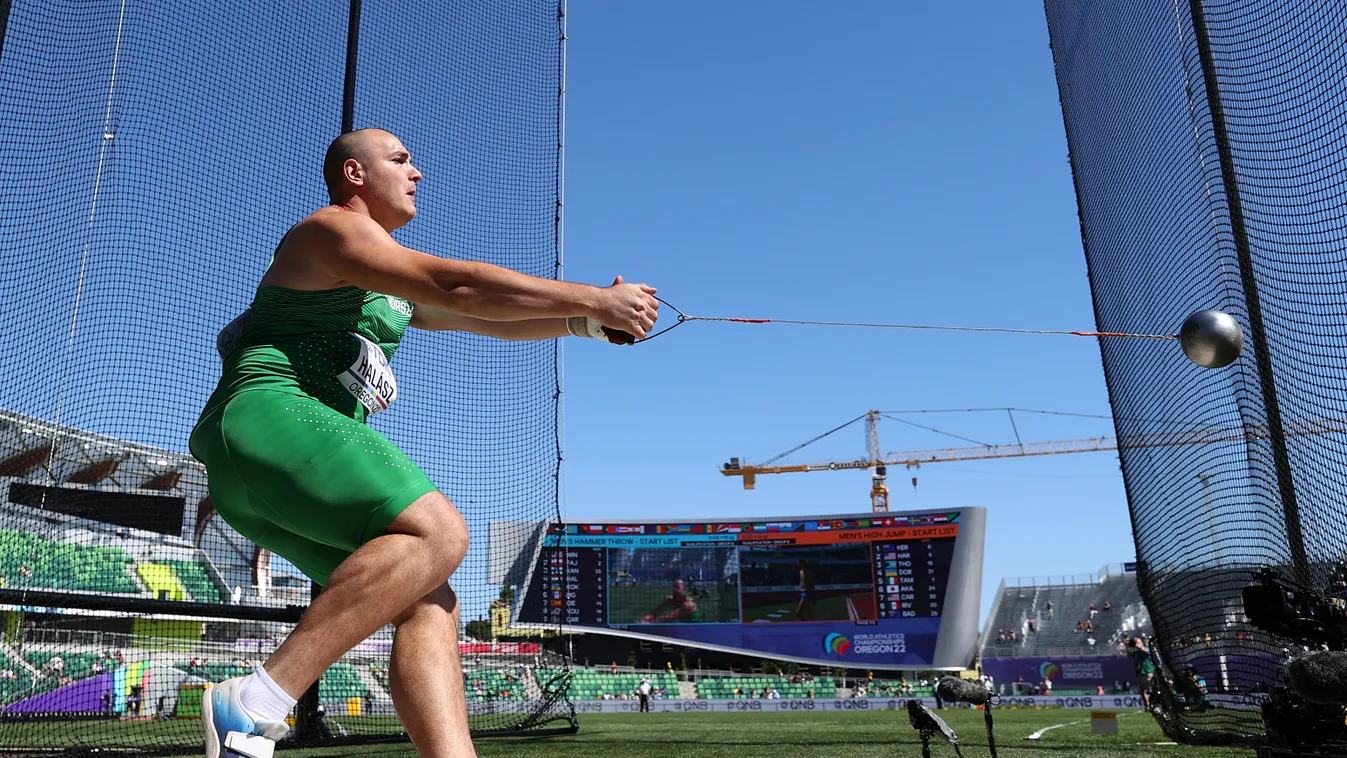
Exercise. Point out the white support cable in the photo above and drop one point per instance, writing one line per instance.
(106, 137)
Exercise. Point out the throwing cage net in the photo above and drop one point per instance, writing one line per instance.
(156, 154)
(1206, 144)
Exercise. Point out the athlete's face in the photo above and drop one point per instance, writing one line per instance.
(389, 180)
(679, 587)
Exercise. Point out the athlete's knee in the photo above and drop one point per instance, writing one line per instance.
(441, 528)
(440, 602)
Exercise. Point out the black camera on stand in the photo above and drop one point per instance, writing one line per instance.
(1304, 715)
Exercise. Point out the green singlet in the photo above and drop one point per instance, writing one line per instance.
(292, 465)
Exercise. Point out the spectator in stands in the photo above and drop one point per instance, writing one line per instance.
(1000, 635)
(1080, 627)
(1032, 628)
(614, 667)
(1089, 627)
(1093, 610)
(1012, 635)
(1048, 607)
(1108, 606)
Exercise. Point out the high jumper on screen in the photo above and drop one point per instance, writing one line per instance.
(293, 466)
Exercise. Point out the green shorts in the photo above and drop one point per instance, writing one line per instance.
(302, 480)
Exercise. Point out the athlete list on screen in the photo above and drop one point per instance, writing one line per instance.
(575, 585)
(910, 577)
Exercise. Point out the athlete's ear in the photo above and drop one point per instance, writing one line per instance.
(354, 172)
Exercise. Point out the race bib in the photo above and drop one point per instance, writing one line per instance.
(370, 379)
(229, 336)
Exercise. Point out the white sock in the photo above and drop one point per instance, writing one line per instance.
(265, 699)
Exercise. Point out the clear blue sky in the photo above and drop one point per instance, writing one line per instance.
(871, 161)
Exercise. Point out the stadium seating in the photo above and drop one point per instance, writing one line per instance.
(77, 665)
(339, 683)
(27, 560)
(895, 687)
(161, 580)
(588, 684)
(197, 581)
(1016, 606)
(751, 687)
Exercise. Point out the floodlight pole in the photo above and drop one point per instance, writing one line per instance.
(352, 55)
(4, 22)
(308, 723)
(1281, 462)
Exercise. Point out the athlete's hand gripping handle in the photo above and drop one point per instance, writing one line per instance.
(627, 312)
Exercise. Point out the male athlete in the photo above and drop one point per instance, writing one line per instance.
(805, 610)
(294, 468)
(681, 608)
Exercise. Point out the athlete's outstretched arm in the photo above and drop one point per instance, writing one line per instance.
(438, 319)
(356, 250)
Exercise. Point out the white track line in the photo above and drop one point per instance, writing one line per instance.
(1039, 734)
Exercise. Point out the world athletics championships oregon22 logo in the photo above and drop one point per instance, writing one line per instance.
(1048, 670)
(836, 643)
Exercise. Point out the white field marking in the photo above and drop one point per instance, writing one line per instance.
(1039, 734)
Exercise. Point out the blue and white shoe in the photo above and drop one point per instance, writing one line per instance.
(232, 732)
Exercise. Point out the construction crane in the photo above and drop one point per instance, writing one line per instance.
(879, 462)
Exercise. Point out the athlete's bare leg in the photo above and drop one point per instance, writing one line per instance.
(426, 677)
(373, 586)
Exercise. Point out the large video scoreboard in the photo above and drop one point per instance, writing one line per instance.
(897, 590)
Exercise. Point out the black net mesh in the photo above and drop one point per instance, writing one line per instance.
(1206, 143)
(157, 152)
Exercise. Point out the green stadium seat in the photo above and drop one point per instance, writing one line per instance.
(197, 581)
(27, 560)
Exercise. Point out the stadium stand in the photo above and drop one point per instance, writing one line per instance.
(589, 684)
(197, 579)
(1061, 615)
(77, 555)
(339, 683)
(894, 688)
(754, 687)
(27, 560)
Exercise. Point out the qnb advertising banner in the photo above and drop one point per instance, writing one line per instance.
(1107, 702)
(897, 590)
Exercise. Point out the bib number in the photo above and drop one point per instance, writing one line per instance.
(229, 336)
(369, 379)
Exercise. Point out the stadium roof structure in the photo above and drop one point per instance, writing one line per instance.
(36, 450)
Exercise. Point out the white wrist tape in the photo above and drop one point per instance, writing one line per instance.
(584, 326)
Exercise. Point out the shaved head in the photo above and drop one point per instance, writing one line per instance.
(370, 171)
(355, 146)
